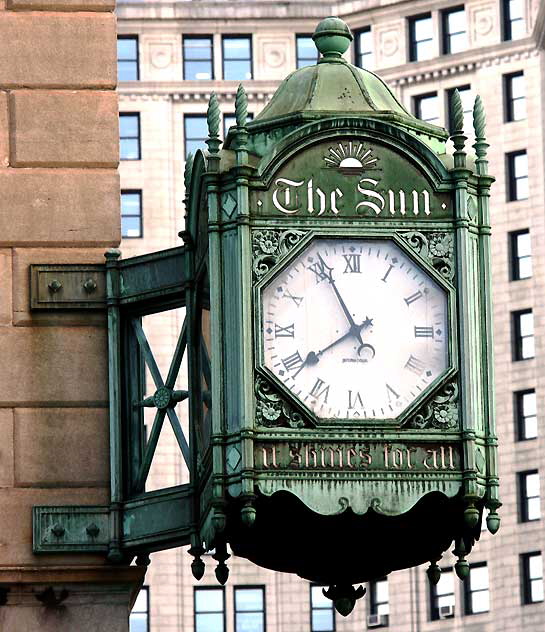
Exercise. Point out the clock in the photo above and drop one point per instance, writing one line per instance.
(355, 328)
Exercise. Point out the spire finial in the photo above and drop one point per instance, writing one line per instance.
(213, 118)
(457, 134)
(480, 144)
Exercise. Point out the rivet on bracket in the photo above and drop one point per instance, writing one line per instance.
(58, 530)
(90, 286)
(93, 530)
(54, 286)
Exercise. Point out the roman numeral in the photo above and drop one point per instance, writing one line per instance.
(413, 297)
(354, 399)
(296, 299)
(320, 389)
(284, 332)
(292, 362)
(415, 365)
(423, 332)
(319, 268)
(391, 392)
(353, 263)
(387, 273)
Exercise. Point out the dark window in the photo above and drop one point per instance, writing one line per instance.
(195, 132)
(421, 37)
(514, 88)
(127, 58)
(249, 609)
(209, 609)
(532, 578)
(466, 97)
(131, 213)
(364, 48)
(230, 119)
(517, 172)
(426, 107)
(129, 136)
(442, 596)
(526, 414)
(521, 255)
(139, 618)
(513, 19)
(529, 496)
(454, 30)
(306, 51)
(379, 602)
(477, 590)
(198, 57)
(321, 611)
(237, 57)
(523, 330)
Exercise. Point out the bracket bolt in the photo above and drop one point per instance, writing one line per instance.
(93, 530)
(54, 286)
(57, 530)
(90, 286)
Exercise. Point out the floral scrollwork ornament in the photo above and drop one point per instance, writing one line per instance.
(271, 246)
(437, 248)
(441, 411)
(272, 410)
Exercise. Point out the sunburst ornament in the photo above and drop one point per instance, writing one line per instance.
(350, 157)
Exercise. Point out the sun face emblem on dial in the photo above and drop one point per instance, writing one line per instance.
(354, 328)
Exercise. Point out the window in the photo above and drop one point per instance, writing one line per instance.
(466, 97)
(237, 58)
(426, 107)
(209, 609)
(442, 596)
(139, 618)
(454, 30)
(529, 496)
(421, 37)
(514, 89)
(526, 413)
(230, 119)
(321, 610)
(198, 57)
(129, 136)
(307, 53)
(532, 576)
(127, 58)
(476, 589)
(379, 597)
(523, 326)
(249, 609)
(364, 48)
(513, 19)
(521, 255)
(131, 213)
(195, 132)
(517, 171)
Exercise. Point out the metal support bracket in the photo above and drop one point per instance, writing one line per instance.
(71, 529)
(67, 286)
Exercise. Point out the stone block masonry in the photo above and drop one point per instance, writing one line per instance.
(59, 202)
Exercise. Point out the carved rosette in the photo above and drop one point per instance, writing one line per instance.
(272, 410)
(441, 411)
(436, 248)
(270, 247)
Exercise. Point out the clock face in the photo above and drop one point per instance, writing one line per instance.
(354, 328)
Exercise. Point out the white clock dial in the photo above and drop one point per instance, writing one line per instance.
(355, 328)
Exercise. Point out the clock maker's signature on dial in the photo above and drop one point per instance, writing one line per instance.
(355, 329)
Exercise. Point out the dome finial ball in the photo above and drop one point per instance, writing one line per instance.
(332, 37)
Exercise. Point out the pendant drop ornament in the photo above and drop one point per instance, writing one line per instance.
(462, 565)
(197, 565)
(433, 572)
(221, 556)
(344, 597)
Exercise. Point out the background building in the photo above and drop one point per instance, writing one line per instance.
(172, 55)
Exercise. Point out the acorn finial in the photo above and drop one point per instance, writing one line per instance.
(332, 38)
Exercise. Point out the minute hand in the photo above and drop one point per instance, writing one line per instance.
(353, 326)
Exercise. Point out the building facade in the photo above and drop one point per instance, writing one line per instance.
(171, 56)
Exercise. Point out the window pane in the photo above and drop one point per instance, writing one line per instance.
(198, 48)
(522, 189)
(236, 48)
(425, 50)
(198, 70)
(249, 599)
(527, 324)
(141, 603)
(208, 600)
(233, 70)
(307, 53)
(528, 348)
(478, 578)
(446, 584)
(212, 622)
(515, 9)
(445, 600)
(128, 125)
(536, 590)
(535, 567)
(456, 21)
(138, 623)
(530, 428)
(534, 510)
(428, 108)
(322, 620)
(458, 42)
(319, 600)
(423, 29)
(127, 71)
(520, 163)
(481, 601)
(129, 149)
(250, 622)
(130, 227)
(381, 592)
(529, 406)
(127, 49)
